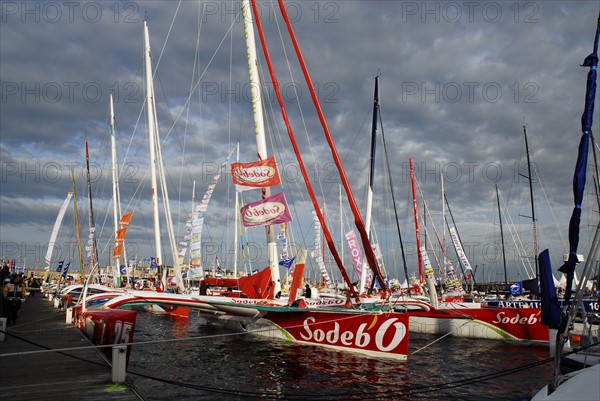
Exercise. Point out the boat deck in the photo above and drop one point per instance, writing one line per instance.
(33, 368)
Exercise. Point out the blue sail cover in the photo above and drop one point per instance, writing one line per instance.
(550, 305)
(590, 61)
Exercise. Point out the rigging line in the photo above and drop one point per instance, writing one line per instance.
(514, 235)
(391, 184)
(294, 86)
(428, 213)
(202, 75)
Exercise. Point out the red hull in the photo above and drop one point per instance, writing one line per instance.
(108, 327)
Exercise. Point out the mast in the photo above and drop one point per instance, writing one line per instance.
(115, 184)
(259, 130)
(301, 165)
(151, 126)
(502, 235)
(236, 239)
(77, 227)
(336, 158)
(92, 249)
(363, 272)
(533, 220)
(416, 214)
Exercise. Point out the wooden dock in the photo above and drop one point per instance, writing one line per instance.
(32, 369)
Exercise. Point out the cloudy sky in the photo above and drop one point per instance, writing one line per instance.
(458, 82)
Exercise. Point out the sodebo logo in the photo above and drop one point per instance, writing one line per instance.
(518, 319)
(359, 339)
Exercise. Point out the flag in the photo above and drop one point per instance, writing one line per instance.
(287, 263)
(271, 210)
(120, 237)
(60, 266)
(66, 269)
(123, 270)
(126, 219)
(153, 264)
(516, 288)
(260, 174)
(117, 251)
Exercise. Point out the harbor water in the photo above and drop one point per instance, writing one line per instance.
(193, 359)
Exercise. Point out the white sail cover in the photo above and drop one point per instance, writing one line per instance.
(57, 224)
(459, 249)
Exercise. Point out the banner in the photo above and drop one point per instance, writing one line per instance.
(355, 252)
(459, 249)
(260, 174)
(271, 210)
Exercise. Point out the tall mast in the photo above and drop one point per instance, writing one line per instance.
(115, 183)
(533, 220)
(502, 235)
(77, 227)
(236, 239)
(416, 214)
(363, 272)
(259, 130)
(92, 249)
(151, 125)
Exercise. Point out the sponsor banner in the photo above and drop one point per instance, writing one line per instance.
(260, 174)
(271, 210)
(355, 252)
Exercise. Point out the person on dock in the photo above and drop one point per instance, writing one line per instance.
(14, 290)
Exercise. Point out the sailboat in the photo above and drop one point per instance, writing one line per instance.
(382, 333)
(453, 315)
(582, 384)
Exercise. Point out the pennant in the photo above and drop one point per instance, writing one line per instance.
(126, 219)
(271, 210)
(117, 251)
(260, 174)
(121, 235)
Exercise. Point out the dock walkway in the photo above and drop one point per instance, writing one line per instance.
(29, 372)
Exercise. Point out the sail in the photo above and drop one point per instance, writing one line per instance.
(590, 61)
(57, 224)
